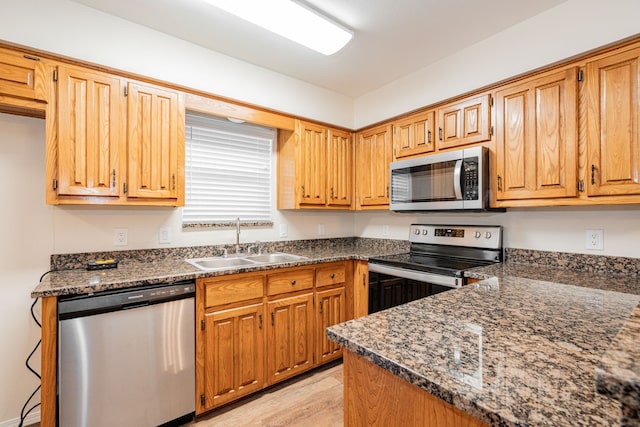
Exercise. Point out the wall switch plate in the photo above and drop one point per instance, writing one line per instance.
(120, 236)
(321, 230)
(385, 230)
(284, 230)
(594, 239)
(164, 237)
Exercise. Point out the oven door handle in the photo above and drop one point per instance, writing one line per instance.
(457, 184)
(421, 276)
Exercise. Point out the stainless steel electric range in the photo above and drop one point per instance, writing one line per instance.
(437, 261)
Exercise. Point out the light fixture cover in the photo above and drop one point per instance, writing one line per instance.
(292, 20)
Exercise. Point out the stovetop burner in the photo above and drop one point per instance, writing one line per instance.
(431, 264)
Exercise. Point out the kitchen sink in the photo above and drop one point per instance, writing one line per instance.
(222, 262)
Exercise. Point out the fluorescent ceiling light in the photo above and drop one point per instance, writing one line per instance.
(291, 20)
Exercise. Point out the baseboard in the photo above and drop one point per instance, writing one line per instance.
(32, 418)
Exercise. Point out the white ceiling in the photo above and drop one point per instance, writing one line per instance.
(392, 38)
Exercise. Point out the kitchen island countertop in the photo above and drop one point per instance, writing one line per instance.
(519, 348)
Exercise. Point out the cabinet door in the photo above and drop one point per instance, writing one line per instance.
(413, 136)
(537, 137)
(234, 354)
(373, 156)
(90, 139)
(156, 143)
(340, 168)
(290, 337)
(613, 117)
(331, 310)
(312, 164)
(22, 76)
(361, 289)
(464, 122)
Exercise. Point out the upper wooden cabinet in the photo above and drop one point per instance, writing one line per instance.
(155, 138)
(464, 122)
(111, 146)
(537, 137)
(373, 155)
(613, 93)
(315, 168)
(413, 135)
(22, 76)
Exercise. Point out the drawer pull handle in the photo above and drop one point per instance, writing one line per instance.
(273, 319)
(333, 275)
(293, 283)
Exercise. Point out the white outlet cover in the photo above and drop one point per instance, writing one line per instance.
(385, 230)
(321, 230)
(120, 236)
(164, 236)
(594, 239)
(284, 230)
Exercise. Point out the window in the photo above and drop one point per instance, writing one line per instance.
(227, 171)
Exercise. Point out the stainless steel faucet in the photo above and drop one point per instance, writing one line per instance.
(238, 235)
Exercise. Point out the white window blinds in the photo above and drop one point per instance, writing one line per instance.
(227, 171)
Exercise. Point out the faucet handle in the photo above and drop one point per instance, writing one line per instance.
(225, 252)
(260, 246)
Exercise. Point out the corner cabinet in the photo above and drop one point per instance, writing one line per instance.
(315, 168)
(373, 155)
(537, 137)
(613, 117)
(114, 142)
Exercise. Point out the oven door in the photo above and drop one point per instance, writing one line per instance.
(391, 286)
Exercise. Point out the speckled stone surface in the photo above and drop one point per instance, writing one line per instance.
(508, 350)
(153, 266)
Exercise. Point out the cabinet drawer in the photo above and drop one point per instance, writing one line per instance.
(289, 281)
(330, 275)
(221, 291)
(20, 76)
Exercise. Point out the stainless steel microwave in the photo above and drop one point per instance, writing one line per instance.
(454, 180)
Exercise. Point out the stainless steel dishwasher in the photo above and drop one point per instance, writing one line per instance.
(127, 358)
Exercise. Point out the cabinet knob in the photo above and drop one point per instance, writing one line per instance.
(333, 275)
(293, 283)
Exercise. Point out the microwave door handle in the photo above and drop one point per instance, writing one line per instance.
(457, 184)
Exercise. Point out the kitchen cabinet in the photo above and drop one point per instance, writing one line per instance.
(464, 122)
(413, 136)
(115, 142)
(537, 137)
(315, 168)
(290, 337)
(373, 155)
(330, 311)
(361, 289)
(22, 78)
(613, 91)
(233, 339)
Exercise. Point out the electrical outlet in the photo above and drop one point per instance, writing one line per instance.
(385, 230)
(120, 236)
(164, 237)
(284, 230)
(320, 229)
(594, 240)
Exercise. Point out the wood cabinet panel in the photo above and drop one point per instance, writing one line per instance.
(234, 354)
(312, 164)
(90, 133)
(373, 156)
(155, 142)
(289, 281)
(613, 114)
(331, 275)
(331, 310)
(236, 288)
(537, 137)
(290, 337)
(361, 289)
(414, 135)
(340, 168)
(22, 75)
(464, 122)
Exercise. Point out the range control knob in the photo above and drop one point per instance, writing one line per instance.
(487, 235)
(417, 231)
(425, 232)
(476, 234)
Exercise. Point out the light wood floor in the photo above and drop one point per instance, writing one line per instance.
(312, 399)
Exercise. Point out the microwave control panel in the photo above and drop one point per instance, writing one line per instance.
(470, 180)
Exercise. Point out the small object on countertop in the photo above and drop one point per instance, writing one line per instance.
(102, 264)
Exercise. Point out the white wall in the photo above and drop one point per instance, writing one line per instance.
(570, 28)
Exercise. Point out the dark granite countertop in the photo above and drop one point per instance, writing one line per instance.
(142, 268)
(519, 348)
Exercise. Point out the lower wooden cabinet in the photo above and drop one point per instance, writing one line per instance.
(256, 329)
(290, 337)
(234, 354)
